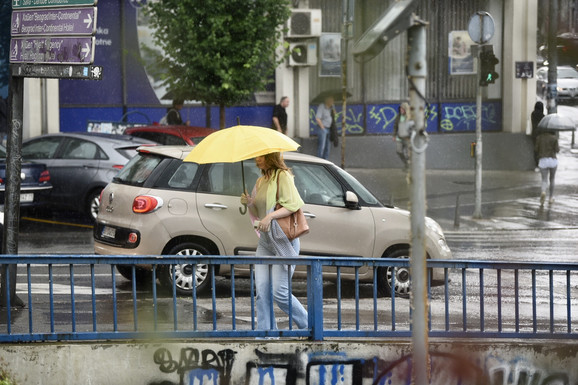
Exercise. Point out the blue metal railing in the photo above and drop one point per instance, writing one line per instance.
(82, 297)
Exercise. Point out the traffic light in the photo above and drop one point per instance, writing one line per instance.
(488, 62)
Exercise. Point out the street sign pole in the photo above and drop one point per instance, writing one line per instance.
(48, 40)
(12, 194)
(478, 181)
(417, 72)
(481, 29)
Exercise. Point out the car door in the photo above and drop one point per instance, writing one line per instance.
(73, 169)
(334, 229)
(220, 208)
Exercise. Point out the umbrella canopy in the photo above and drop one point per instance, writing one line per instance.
(337, 94)
(239, 143)
(556, 122)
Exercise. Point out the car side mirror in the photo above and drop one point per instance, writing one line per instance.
(351, 201)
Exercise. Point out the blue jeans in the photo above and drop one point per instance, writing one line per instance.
(280, 282)
(323, 142)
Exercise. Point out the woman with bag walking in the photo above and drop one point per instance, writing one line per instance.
(547, 147)
(275, 187)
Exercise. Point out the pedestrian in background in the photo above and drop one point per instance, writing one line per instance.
(547, 148)
(324, 119)
(401, 133)
(280, 115)
(535, 117)
(276, 185)
(173, 116)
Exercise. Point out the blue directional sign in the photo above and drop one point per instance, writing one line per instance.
(50, 3)
(55, 21)
(52, 50)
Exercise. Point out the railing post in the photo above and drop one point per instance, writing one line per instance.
(315, 299)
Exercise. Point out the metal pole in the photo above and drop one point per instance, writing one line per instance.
(552, 57)
(12, 194)
(478, 181)
(346, 34)
(417, 72)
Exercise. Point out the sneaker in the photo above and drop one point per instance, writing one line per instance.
(537, 169)
(551, 200)
(542, 198)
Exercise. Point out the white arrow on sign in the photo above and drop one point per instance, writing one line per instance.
(85, 50)
(88, 21)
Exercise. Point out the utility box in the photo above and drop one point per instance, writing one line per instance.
(304, 23)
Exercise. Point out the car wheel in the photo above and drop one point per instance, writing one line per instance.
(141, 275)
(184, 272)
(93, 202)
(402, 277)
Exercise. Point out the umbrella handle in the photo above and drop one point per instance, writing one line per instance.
(243, 210)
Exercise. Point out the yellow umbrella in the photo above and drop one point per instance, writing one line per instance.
(239, 143)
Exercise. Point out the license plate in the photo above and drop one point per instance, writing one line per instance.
(28, 197)
(108, 232)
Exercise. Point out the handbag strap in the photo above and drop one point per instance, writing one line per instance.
(277, 196)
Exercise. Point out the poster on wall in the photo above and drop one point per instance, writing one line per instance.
(461, 61)
(330, 55)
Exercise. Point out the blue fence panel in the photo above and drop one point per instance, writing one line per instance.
(83, 297)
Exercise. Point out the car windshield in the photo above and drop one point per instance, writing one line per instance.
(358, 188)
(567, 73)
(138, 169)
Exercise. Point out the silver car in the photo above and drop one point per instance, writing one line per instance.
(159, 204)
(81, 165)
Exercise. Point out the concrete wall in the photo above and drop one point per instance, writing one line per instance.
(290, 362)
(501, 151)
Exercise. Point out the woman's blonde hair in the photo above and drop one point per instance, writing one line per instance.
(273, 162)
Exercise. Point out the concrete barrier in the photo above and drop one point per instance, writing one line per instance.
(233, 362)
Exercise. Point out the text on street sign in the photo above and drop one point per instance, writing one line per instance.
(66, 21)
(51, 3)
(52, 49)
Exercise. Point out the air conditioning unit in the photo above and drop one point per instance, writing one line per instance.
(303, 53)
(304, 23)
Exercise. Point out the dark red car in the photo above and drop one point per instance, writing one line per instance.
(170, 135)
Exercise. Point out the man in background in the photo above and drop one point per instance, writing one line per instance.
(280, 115)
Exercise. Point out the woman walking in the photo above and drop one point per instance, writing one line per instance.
(276, 185)
(547, 148)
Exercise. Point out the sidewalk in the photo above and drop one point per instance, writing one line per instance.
(510, 199)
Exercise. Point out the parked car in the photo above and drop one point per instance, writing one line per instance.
(567, 83)
(160, 205)
(35, 183)
(81, 165)
(170, 135)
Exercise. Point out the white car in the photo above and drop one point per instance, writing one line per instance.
(159, 204)
(567, 83)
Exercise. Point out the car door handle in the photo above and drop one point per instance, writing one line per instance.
(215, 206)
(309, 215)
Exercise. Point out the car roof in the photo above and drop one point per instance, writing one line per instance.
(100, 137)
(180, 152)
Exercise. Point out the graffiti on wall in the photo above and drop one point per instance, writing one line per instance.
(440, 118)
(306, 367)
(196, 367)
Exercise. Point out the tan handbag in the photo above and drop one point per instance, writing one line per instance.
(294, 225)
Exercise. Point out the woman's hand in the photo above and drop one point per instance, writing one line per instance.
(246, 199)
(265, 223)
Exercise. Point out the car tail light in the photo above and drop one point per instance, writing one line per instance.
(144, 204)
(118, 166)
(44, 176)
(1, 181)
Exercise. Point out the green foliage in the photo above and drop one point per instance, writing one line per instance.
(216, 51)
(5, 378)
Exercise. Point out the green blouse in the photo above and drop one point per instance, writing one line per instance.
(266, 192)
